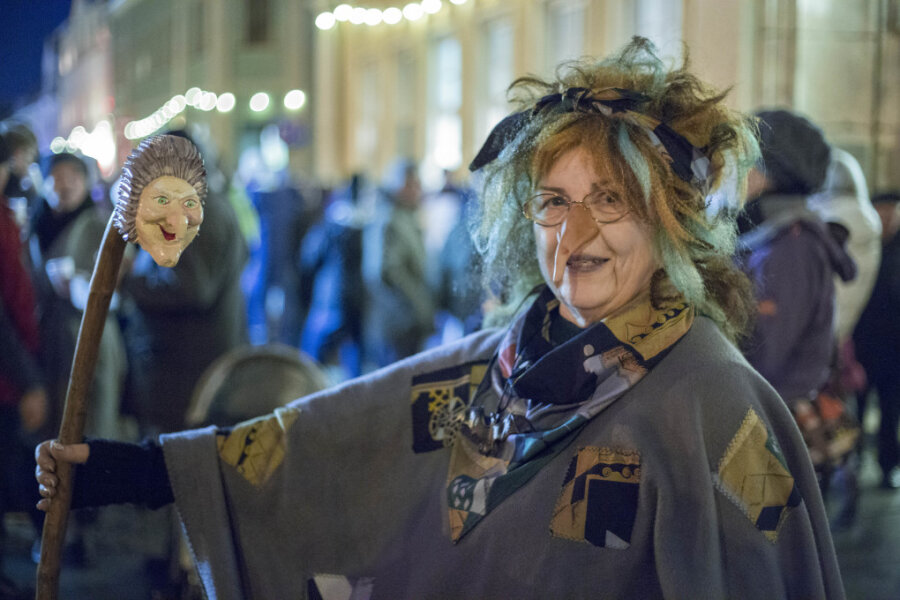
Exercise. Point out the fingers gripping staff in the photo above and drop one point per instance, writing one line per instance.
(159, 207)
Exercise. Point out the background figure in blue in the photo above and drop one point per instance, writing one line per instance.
(331, 279)
(792, 257)
(273, 310)
(401, 308)
(877, 339)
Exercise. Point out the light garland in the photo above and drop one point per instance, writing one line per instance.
(358, 15)
(206, 101)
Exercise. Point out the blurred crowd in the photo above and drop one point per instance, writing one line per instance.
(353, 278)
(380, 267)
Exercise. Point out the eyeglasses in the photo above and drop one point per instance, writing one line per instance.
(549, 209)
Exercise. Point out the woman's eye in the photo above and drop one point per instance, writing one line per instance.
(553, 201)
(162, 200)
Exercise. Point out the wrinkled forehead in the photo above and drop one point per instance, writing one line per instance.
(169, 186)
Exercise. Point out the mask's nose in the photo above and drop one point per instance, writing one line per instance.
(580, 223)
(176, 221)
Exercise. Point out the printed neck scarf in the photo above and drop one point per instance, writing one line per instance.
(538, 395)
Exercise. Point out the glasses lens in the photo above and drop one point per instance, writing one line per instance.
(605, 206)
(547, 209)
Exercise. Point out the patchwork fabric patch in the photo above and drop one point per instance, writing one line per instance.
(599, 498)
(339, 587)
(753, 474)
(256, 448)
(439, 401)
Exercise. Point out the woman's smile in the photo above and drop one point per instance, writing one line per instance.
(584, 263)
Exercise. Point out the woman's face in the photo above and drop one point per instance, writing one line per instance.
(168, 218)
(594, 269)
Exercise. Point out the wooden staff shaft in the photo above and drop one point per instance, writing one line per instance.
(103, 284)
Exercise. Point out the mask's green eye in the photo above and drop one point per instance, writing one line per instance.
(162, 200)
(191, 203)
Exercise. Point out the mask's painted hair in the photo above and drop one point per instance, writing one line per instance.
(693, 232)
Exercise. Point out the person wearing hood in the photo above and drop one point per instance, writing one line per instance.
(792, 256)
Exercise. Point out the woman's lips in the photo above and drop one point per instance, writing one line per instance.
(582, 263)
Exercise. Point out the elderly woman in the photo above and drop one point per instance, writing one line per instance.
(609, 441)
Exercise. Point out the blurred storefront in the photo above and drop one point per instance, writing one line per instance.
(351, 88)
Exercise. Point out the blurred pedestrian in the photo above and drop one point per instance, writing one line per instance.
(877, 338)
(401, 313)
(192, 313)
(23, 397)
(65, 236)
(331, 279)
(792, 258)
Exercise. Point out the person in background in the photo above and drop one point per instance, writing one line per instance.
(23, 397)
(877, 339)
(845, 207)
(608, 439)
(24, 188)
(401, 307)
(66, 232)
(331, 280)
(192, 313)
(793, 257)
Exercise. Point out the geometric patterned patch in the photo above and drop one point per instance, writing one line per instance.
(439, 402)
(599, 498)
(255, 448)
(339, 587)
(753, 474)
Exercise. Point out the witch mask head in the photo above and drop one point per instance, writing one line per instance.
(161, 197)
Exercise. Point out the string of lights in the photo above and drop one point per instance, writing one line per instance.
(358, 15)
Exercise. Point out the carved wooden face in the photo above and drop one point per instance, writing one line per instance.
(168, 218)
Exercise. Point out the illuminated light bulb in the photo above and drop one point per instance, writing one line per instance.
(325, 21)
(392, 15)
(259, 101)
(373, 17)
(192, 95)
(358, 16)
(458, 2)
(58, 144)
(178, 102)
(207, 101)
(431, 6)
(342, 12)
(226, 102)
(413, 11)
(294, 100)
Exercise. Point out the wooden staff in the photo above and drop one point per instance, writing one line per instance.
(169, 171)
(103, 284)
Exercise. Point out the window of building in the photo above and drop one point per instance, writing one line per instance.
(197, 29)
(445, 99)
(257, 21)
(405, 105)
(565, 32)
(366, 133)
(495, 76)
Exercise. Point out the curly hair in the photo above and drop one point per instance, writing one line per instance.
(156, 157)
(693, 229)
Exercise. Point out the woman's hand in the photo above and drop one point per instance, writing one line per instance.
(46, 455)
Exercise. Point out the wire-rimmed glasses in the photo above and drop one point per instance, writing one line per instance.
(549, 208)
